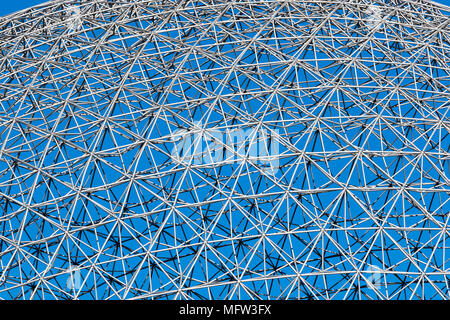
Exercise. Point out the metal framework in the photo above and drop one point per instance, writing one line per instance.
(102, 198)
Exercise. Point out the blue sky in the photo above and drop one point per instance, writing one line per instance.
(16, 5)
(264, 206)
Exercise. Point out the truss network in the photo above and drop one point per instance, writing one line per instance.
(98, 203)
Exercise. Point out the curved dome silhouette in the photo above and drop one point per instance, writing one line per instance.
(225, 150)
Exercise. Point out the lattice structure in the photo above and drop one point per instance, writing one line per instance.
(99, 200)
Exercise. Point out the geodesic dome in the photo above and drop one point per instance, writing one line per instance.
(127, 132)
